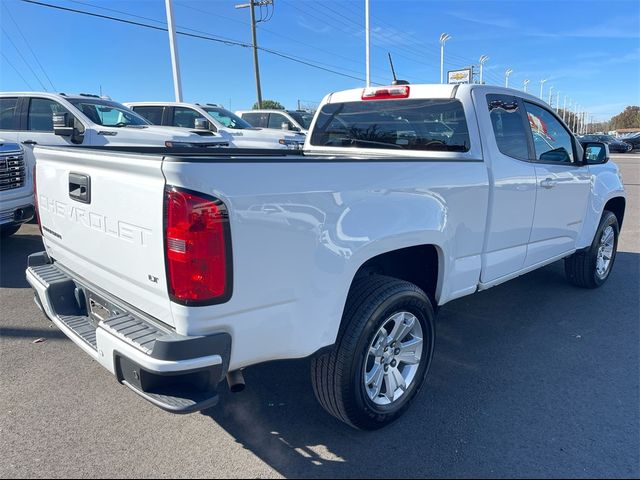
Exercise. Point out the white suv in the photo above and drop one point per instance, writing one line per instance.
(294, 120)
(219, 120)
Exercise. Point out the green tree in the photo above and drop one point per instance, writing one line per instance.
(630, 118)
(269, 104)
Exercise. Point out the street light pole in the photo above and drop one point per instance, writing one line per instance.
(550, 102)
(175, 66)
(542, 88)
(366, 47)
(558, 101)
(483, 58)
(506, 77)
(443, 38)
(526, 84)
(564, 110)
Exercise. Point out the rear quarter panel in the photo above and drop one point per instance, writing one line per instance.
(301, 229)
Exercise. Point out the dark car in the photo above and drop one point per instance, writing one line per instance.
(633, 140)
(615, 145)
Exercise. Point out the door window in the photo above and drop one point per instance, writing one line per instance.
(8, 113)
(509, 126)
(40, 116)
(153, 113)
(551, 140)
(276, 120)
(256, 119)
(185, 117)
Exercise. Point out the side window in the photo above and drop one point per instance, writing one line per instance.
(40, 116)
(551, 140)
(8, 113)
(276, 120)
(153, 114)
(185, 117)
(509, 126)
(256, 119)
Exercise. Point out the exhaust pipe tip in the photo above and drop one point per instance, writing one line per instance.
(235, 380)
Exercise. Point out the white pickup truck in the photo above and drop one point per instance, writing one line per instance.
(173, 271)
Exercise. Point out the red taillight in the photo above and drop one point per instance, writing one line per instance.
(384, 93)
(198, 248)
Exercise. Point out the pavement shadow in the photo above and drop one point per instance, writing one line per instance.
(515, 388)
(14, 251)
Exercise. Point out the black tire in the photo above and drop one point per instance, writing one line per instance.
(581, 267)
(337, 376)
(8, 230)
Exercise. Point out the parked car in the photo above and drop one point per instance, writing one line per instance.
(295, 120)
(216, 119)
(633, 140)
(16, 189)
(405, 198)
(615, 145)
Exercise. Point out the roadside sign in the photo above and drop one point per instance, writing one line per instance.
(460, 76)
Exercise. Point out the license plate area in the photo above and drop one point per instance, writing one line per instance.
(100, 309)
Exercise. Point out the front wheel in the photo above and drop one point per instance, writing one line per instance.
(382, 354)
(591, 267)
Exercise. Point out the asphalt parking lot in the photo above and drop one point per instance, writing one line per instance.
(533, 378)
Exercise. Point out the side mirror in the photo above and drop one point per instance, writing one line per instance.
(61, 125)
(201, 124)
(285, 126)
(595, 153)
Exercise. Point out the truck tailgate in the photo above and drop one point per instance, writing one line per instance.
(102, 218)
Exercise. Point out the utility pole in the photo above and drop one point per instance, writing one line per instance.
(483, 58)
(506, 77)
(542, 88)
(526, 84)
(171, 28)
(443, 38)
(251, 5)
(366, 43)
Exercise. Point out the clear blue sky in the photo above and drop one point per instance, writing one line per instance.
(587, 49)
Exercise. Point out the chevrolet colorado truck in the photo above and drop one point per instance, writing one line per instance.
(176, 270)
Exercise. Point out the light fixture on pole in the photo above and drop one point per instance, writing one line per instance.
(526, 84)
(542, 88)
(443, 38)
(483, 58)
(550, 102)
(506, 77)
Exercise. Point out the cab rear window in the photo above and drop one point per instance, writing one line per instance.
(408, 124)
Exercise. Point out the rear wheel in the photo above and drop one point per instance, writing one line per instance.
(8, 230)
(382, 354)
(590, 268)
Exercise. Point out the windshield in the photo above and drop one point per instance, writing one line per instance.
(303, 118)
(106, 113)
(434, 125)
(226, 118)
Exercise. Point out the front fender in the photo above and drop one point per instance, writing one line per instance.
(606, 183)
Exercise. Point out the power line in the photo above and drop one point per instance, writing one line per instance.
(29, 46)
(17, 71)
(23, 59)
(208, 37)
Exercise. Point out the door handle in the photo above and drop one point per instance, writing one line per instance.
(80, 187)
(29, 142)
(548, 183)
